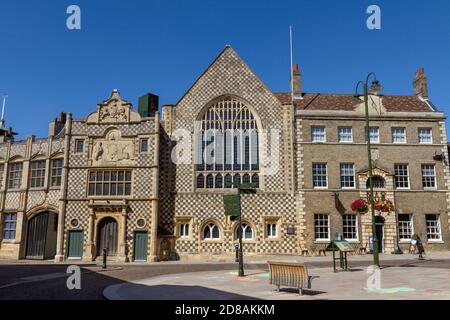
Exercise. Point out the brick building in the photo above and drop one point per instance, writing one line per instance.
(151, 188)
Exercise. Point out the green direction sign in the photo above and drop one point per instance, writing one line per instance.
(231, 205)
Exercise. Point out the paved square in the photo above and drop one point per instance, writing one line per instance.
(402, 283)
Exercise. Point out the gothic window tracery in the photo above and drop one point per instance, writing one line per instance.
(227, 145)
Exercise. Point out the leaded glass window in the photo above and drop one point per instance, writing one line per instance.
(227, 145)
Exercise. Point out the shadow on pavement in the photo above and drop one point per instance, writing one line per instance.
(306, 292)
(49, 282)
(136, 291)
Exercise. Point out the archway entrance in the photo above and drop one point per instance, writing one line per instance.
(41, 236)
(107, 234)
(379, 231)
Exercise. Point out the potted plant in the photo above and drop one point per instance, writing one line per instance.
(384, 205)
(360, 205)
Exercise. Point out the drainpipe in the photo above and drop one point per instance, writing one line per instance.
(63, 201)
(155, 196)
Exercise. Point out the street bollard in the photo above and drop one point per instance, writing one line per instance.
(236, 249)
(104, 259)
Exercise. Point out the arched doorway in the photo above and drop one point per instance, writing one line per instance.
(41, 236)
(379, 231)
(107, 233)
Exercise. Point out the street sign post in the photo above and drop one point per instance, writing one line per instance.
(232, 206)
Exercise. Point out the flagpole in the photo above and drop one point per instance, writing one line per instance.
(2, 123)
(292, 64)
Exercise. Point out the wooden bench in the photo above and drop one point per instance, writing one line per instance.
(304, 251)
(290, 274)
(359, 248)
(318, 249)
(363, 249)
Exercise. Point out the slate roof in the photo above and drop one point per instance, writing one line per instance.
(345, 102)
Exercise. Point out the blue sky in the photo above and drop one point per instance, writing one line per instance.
(163, 46)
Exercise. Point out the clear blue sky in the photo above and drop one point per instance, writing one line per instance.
(163, 46)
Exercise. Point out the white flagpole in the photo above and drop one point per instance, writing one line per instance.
(2, 124)
(292, 65)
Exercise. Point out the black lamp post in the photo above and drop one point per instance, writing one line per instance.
(375, 87)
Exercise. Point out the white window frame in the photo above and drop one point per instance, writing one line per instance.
(245, 225)
(420, 135)
(438, 226)
(407, 175)
(401, 225)
(211, 227)
(340, 175)
(410, 225)
(341, 135)
(273, 227)
(398, 132)
(183, 227)
(324, 134)
(370, 135)
(326, 175)
(321, 215)
(434, 176)
(356, 226)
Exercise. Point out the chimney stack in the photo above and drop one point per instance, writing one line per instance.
(297, 82)
(56, 125)
(148, 104)
(6, 135)
(421, 84)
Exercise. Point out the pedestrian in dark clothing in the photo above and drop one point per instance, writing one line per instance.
(420, 248)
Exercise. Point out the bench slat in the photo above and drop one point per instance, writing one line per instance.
(288, 274)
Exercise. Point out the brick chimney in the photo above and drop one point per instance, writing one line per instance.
(6, 135)
(57, 124)
(297, 82)
(421, 84)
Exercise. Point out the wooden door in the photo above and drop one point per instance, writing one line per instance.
(107, 236)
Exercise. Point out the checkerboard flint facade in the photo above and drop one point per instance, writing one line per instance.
(178, 205)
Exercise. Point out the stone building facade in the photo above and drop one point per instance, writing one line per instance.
(146, 187)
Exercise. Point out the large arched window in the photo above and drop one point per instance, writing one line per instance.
(227, 145)
(211, 232)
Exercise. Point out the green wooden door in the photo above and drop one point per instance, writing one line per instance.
(140, 245)
(75, 244)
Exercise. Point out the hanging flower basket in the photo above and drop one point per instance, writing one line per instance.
(360, 206)
(384, 205)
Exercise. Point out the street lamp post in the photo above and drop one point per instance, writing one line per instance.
(375, 87)
(241, 255)
(232, 205)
